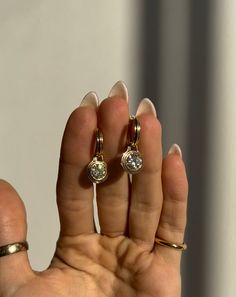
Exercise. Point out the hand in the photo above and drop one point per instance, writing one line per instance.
(123, 260)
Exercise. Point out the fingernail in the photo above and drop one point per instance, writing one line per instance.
(146, 106)
(120, 90)
(175, 150)
(91, 99)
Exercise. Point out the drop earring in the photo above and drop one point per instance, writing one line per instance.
(97, 168)
(132, 160)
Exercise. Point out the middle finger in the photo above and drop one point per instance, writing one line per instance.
(113, 194)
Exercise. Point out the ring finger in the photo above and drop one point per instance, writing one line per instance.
(146, 200)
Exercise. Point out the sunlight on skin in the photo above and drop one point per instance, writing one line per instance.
(123, 260)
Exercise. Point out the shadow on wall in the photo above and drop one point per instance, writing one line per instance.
(194, 278)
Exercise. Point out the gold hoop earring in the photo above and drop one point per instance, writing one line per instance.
(97, 168)
(132, 161)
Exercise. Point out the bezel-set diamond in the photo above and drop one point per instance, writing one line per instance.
(97, 171)
(132, 161)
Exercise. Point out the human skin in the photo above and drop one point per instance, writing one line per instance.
(123, 259)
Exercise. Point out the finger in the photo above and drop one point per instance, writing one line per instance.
(15, 268)
(113, 195)
(173, 217)
(74, 189)
(146, 200)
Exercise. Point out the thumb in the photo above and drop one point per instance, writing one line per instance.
(15, 268)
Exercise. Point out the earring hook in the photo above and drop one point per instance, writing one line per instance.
(134, 131)
(99, 143)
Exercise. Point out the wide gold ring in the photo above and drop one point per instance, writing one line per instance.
(178, 247)
(13, 248)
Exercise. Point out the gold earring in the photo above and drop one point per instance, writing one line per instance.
(132, 160)
(97, 168)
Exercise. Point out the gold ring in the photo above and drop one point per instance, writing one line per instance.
(13, 248)
(179, 247)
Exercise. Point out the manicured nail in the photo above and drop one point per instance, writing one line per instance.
(175, 150)
(120, 90)
(146, 106)
(91, 99)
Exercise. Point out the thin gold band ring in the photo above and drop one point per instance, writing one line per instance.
(13, 248)
(179, 247)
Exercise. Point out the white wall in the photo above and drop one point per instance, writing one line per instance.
(221, 245)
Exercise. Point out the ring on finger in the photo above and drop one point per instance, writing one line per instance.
(178, 247)
(13, 248)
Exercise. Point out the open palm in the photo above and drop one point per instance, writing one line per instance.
(123, 259)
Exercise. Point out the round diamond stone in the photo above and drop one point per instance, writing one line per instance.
(132, 161)
(97, 171)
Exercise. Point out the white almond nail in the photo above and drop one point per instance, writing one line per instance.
(91, 99)
(175, 150)
(146, 106)
(119, 90)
